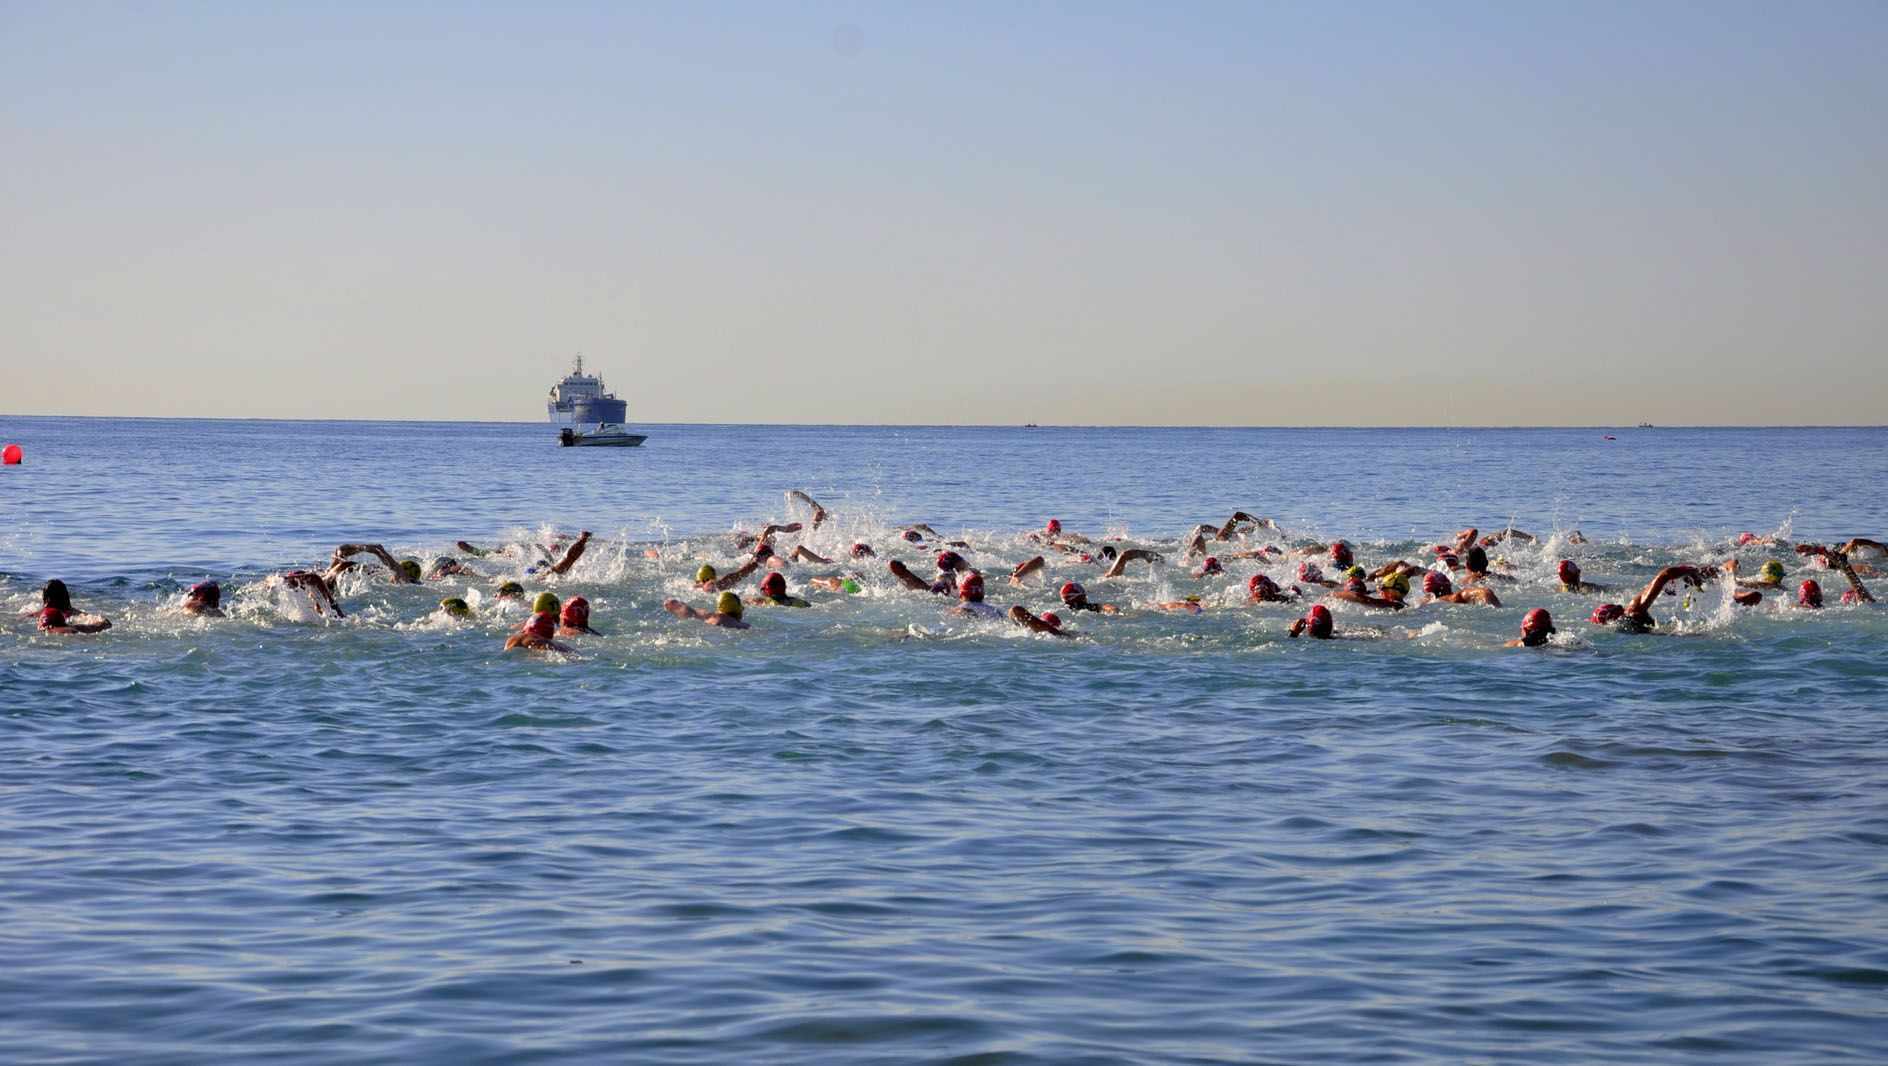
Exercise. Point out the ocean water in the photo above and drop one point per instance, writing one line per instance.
(870, 831)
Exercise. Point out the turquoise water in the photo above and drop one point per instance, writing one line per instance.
(871, 832)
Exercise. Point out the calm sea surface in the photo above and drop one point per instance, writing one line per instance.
(873, 832)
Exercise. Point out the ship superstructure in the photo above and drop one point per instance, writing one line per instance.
(580, 398)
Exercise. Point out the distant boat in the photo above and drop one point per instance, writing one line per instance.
(580, 398)
(605, 435)
(1645, 425)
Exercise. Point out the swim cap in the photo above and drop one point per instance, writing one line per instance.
(1193, 597)
(704, 572)
(510, 588)
(1771, 571)
(1308, 571)
(576, 613)
(763, 550)
(861, 549)
(1809, 594)
(1537, 621)
(1436, 583)
(1850, 596)
(1340, 554)
(729, 604)
(455, 607)
(208, 592)
(411, 568)
(913, 536)
(1259, 584)
(1318, 620)
(1354, 573)
(1398, 581)
(1211, 566)
(544, 602)
(1477, 560)
(774, 585)
(970, 586)
(1745, 537)
(849, 585)
(1607, 613)
(543, 625)
(948, 561)
(1054, 527)
(1049, 619)
(1073, 593)
(1569, 572)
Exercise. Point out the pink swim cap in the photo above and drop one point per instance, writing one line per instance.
(543, 625)
(1340, 554)
(1211, 566)
(576, 612)
(1607, 614)
(774, 584)
(948, 560)
(970, 586)
(1746, 537)
(1259, 583)
(1318, 620)
(1436, 583)
(1569, 572)
(1071, 592)
(1049, 619)
(1537, 621)
(1054, 527)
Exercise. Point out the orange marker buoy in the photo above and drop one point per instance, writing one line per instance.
(12, 455)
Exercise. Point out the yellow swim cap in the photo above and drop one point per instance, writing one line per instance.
(729, 604)
(1772, 571)
(456, 607)
(510, 588)
(411, 568)
(1398, 581)
(544, 602)
(706, 573)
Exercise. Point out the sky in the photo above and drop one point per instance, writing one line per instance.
(1093, 213)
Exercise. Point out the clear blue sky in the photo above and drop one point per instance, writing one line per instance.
(1489, 213)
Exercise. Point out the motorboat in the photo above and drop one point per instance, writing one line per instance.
(602, 435)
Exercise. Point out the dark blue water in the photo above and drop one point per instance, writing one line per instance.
(872, 832)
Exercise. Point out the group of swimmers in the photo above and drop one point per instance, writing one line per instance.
(1458, 572)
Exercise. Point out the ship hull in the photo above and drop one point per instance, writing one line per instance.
(589, 411)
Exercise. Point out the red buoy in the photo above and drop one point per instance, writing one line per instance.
(12, 455)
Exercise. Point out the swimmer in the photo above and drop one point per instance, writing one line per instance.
(819, 513)
(862, 550)
(708, 580)
(536, 634)
(1536, 626)
(1309, 574)
(574, 619)
(1121, 561)
(56, 614)
(1075, 597)
(1394, 586)
(1231, 527)
(912, 581)
(399, 571)
(476, 553)
(1316, 622)
(204, 599)
(1262, 589)
(1048, 624)
(1635, 616)
(1746, 593)
(1475, 560)
(572, 554)
(1437, 589)
(970, 597)
(320, 589)
(1569, 573)
(846, 583)
(1026, 568)
(446, 566)
(1509, 533)
(1839, 560)
(1355, 591)
(727, 612)
(1209, 567)
(1188, 605)
(510, 590)
(773, 592)
(455, 607)
(804, 554)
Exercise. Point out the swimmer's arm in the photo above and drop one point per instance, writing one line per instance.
(1840, 560)
(574, 553)
(1121, 561)
(1021, 616)
(1649, 595)
(803, 554)
(920, 527)
(1226, 531)
(819, 513)
(1024, 569)
(790, 527)
(476, 553)
(906, 577)
(1297, 627)
(1399, 566)
(683, 610)
(1862, 542)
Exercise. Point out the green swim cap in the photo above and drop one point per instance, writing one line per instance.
(849, 585)
(706, 573)
(544, 602)
(510, 588)
(456, 607)
(1398, 581)
(1354, 571)
(411, 568)
(1771, 571)
(729, 604)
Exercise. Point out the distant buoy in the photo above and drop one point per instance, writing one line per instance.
(12, 455)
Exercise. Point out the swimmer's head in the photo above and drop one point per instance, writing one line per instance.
(1397, 583)
(509, 590)
(455, 607)
(1850, 597)
(1569, 572)
(970, 587)
(1771, 572)
(1053, 526)
(1211, 566)
(1607, 613)
(576, 613)
(1318, 621)
(543, 625)
(1073, 594)
(1259, 585)
(1476, 560)
(862, 550)
(774, 585)
(949, 561)
(544, 602)
(1108, 552)
(204, 595)
(729, 604)
(1436, 583)
(849, 586)
(410, 569)
(1449, 560)
(51, 617)
(1535, 627)
(55, 595)
(1340, 554)
(1050, 619)
(1354, 573)
(1746, 537)
(704, 572)
(1809, 594)
(763, 550)
(912, 535)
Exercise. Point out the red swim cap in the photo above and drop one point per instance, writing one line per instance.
(1318, 620)
(1850, 596)
(1809, 594)
(1340, 554)
(1537, 621)
(1054, 527)
(773, 584)
(949, 561)
(1211, 566)
(1049, 619)
(543, 625)
(1607, 614)
(576, 612)
(1308, 571)
(1569, 572)
(1745, 537)
(1259, 583)
(1436, 583)
(1071, 592)
(970, 586)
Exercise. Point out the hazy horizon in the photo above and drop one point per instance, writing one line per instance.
(1457, 215)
